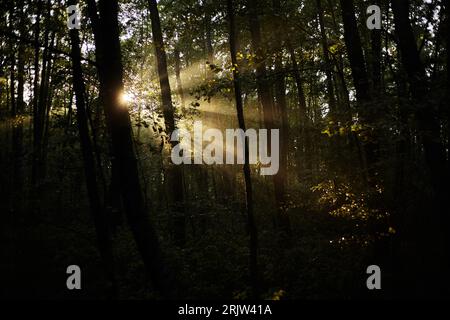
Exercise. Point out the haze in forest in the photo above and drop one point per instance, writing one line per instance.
(87, 177)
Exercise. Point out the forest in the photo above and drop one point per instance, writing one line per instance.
(348, 99)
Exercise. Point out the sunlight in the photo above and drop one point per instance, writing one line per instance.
(126, 98)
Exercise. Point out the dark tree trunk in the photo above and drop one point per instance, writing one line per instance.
(20, 106)
(108, 54)
(101, 222)
(17, 106)
(375, 36)
(263, 86)
(326, 57)
(355, 52)
(247, 174)
(447, 51)
(368, 111)
(208, 32)
(280, 179)
(266, 100)
(175, 174)
(301, 100)
(45, 105)
(12, 78)
(428, 124)
(36, 128)
(429, 132)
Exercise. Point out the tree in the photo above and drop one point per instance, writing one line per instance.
(175, 175)
(328, 66)
(108, 56)
(252, 229)
(427, 124)
(355, 53)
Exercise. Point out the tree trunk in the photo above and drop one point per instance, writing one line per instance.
(376, 58)
(101, 222)
(280, 179)
(326, 57)
(429, 132)
(175, 175)
(247, 174)
(108, 56)
(208, 32)
(263, 87)
(36, 128)
(301, 100)
(20, 108)
(360, 77)
(355, 52)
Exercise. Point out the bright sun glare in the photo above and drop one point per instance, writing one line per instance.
(126, 97)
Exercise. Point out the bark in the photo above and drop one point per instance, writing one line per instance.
(355, 52)
(376, 57)
(175, 175)
(434, 153)
(263, 86)
(18, 129)
(45, 105)
(208, 32)
(301, 100)
(326, 56)
(101, 222)
(280, 179)
(368, 111)
(415, 70)
(12, 86)
(36, 129)
(108, 56)
(247, 174)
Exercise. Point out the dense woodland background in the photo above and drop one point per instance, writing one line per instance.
(86, 176)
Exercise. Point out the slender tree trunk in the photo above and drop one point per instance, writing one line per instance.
(301, 100)
(247, 174)
(12, 79)
(280, 179)
(16, 111)
(208, 34)
(263, 87)
(36, 128)
(178, 77)
(376, 59)
(20, 108)
(175, 175)
(326, 56)
(46, 105)
(447, 40)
